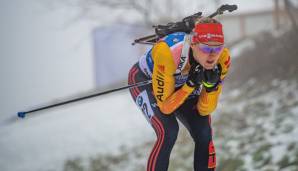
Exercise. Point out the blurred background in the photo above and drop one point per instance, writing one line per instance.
(54, 50)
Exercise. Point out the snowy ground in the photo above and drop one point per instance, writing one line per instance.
(44, 141)
(262, 133)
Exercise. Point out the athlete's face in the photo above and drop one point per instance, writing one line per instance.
(207, 54)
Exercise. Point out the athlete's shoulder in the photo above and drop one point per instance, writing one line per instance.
(162, 56)
(174, 38)
(226, 52)
(225, 55)
(225, 62)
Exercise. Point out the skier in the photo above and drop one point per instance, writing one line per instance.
(187, 72)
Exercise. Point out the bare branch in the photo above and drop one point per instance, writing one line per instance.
(151, 11)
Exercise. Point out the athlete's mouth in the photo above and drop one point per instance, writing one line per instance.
(210, 61)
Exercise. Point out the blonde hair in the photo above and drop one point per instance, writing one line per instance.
(206, 20)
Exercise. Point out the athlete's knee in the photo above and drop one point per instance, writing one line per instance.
(172, 134)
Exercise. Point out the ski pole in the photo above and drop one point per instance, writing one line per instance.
(23, 114)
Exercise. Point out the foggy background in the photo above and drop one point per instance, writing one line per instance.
(52, 51)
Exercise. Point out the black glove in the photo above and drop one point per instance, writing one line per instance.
(195, 75)
(211, 79)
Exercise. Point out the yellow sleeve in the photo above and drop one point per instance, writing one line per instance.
(224, 61)
(163, 81)
(208, 100)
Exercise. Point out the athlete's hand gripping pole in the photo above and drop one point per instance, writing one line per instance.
(196, 75)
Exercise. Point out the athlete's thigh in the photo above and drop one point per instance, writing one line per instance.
(145, 100)
(190, 118)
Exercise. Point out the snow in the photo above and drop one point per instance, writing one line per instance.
(44, 141)
(270, 114)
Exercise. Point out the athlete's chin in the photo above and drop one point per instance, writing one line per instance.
(208, 66)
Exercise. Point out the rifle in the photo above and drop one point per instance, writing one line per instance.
(186, 25)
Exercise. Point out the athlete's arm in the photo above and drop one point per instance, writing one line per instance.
(163, 80)
(208, 100)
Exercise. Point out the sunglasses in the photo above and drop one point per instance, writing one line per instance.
(209, 49)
